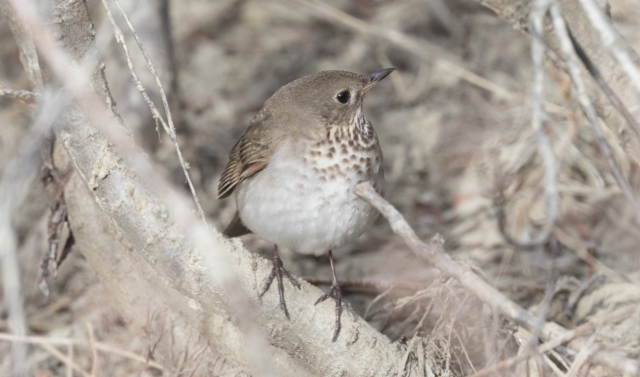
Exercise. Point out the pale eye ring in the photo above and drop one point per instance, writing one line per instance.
(343, 97)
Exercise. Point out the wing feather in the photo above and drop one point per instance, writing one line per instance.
(248, 156)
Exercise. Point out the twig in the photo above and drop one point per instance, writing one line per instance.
(24, 39)
(166, 26)
(65, 359)
(583, 357)
(566, 337)
(499, 203)
(592, 324)
(40, 340)
(120, 39)
(606, 89)
(612, 40)
(579, 156)
(170, 128)
(70, 363)
(581, 251)
(464, 350)
(538, 119)
(421, 357)
(23, 95)
(402, 365)
(375, 301)
(94, 350)
(435, 255)
(175, 93)
(571, 58)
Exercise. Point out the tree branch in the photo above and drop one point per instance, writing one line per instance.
(435, 255)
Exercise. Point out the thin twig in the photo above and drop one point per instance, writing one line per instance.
(583, 357)
(65, 359)
(606, 89)
(69, 365)
(23, 95)
(402, 365)
(581, 251)
(464, 350)
(434, 254)
(24, 39)
(580, 158)
(40, 340)
(94, 350)
(175, 93)
(612, 40)
(120, 39)
(168, 126)
(421, 357)
(566, 337)
(538, 119)
(375, 301)
(571, 58)
(167, 35)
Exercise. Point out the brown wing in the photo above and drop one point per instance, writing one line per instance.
(250, 155)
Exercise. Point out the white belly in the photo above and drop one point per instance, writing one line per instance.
(290, 204)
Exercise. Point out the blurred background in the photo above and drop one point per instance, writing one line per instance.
(459, 156)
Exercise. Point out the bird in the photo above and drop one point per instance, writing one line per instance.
(294, 169)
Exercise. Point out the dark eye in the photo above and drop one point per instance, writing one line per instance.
(343, 97)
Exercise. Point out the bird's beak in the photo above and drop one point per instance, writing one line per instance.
(375, 77)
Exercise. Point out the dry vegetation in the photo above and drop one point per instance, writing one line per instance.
(460, 158)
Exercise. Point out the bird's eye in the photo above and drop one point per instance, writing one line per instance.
(343, 97)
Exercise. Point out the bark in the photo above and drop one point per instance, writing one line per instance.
(516, 13)
(157, 277)
(24, 39)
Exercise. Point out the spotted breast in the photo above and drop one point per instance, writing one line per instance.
(304, 198)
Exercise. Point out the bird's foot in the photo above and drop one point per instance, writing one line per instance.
(278, 271)
(336, 294)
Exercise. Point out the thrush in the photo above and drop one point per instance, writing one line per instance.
(294, 169)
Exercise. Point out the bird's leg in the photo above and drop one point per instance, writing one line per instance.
(277, 271)
(336, 294)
